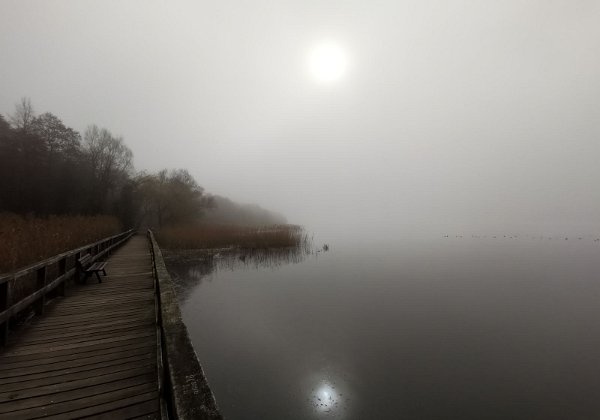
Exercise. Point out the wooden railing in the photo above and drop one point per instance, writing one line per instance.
(182, 379)
(32, 285)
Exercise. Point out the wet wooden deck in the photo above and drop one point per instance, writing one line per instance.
(93, 353)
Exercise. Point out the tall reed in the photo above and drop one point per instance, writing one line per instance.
(26, 240)
(205, 236)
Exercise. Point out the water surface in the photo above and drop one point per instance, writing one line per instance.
(430, 328)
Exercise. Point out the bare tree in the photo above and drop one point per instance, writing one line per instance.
(23, 116)
(171, 197)
(57, 137)
(110, 163)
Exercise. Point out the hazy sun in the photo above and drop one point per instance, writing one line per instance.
(327, 62)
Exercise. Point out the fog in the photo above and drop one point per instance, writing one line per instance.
(451, 117)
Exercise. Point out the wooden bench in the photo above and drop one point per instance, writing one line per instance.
(86, 267)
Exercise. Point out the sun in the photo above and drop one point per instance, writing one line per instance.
(327, 62)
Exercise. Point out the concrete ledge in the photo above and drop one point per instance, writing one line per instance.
(185, 386)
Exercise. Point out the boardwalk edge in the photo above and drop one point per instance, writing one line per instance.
(186, 388)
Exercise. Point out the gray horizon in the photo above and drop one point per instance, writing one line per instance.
(461, 117)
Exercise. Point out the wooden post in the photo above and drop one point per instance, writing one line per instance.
(77, 272)
(41, 282)
(4, 305)
(62, 269)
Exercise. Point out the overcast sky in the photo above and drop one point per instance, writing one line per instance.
(473, 115)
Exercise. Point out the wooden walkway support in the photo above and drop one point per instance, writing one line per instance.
(185, 386)
(95, 353)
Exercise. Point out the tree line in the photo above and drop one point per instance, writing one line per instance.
(48, 168)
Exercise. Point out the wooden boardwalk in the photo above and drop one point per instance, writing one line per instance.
(94, 352)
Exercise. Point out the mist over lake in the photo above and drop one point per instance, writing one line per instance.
(372, 210)
(426, 327)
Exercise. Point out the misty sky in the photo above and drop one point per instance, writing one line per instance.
(473, 115)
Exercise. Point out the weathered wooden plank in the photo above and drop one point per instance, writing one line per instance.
(138, 405)
(134, 255)
(76, 384)
(57, 348)
(79, 339)
(46, 401)
(130, 256)
(122, 267)
(120, 303)
(140, 299)
(35, 360)
(127, 301)
(99, 323)
(111, 292)
(114, 280)
(62, 377)
(83, 324)
(129, 273)
(47, 369)
(89, 369)
(148, 409)
(101, 308)
(95, 319)
(111, 289)
(116, 312)
(105, 299)
(66, 402)
(65, 334)
(121, 308)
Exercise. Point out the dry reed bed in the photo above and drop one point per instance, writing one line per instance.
(27, 240)
(227, 236)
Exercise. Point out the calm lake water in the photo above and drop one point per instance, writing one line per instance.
(429, 328)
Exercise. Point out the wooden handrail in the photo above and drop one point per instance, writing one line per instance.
(48, 275)
(48, 261)
(186, 388)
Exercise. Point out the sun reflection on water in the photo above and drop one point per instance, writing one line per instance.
(326, 400)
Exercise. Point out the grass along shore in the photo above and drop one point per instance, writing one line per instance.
(231, 236)
(27, 240)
